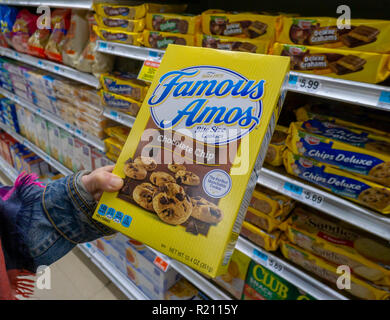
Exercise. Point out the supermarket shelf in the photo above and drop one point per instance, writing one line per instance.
(54, 163)
(203, 284)
(9, 171)
(93, 141)
(56, 68)
(128, 51)
(360, 93)
(331, 204)
(288, 271)
(112, 273)
(73, 4)
(118, 116)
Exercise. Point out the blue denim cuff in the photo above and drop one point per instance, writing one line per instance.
(69, 207)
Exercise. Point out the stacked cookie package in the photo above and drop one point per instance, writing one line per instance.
(122, 91)
(348, 159)
(317, 45)
(170, 26)
(120, 23)
(267, 210)
(323, 246)
(247, 32)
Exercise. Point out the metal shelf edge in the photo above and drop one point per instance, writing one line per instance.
(195, 278)
(53, 67)
(119, 117)
(57, 121)
(361, 93)
(54, 163)
(292, 274)
(72, 4)
(333, 205)
(119, 279)
(129, 51)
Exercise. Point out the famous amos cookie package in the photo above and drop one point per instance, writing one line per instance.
(200, 136)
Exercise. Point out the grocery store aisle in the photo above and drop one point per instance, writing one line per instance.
(75, 277)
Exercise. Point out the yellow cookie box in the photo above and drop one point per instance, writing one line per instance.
(227, 187)
(367, 66)
(109, 34)
(328, 271)
(268, 241)
(274, 156)
(339, 182)
(243, 25)
(363, 154)
(368, 257)
(120, 24)
(109, 10)
(232, 43)
(173, 22)
(364, 35)
(234, 280)
(160, 40)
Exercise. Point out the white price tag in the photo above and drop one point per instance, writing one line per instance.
(266, 261)
(275, 266)
(302, 194)
(304, 84)
(312, 198)
(308, 85)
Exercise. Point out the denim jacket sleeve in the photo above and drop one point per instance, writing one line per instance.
(61, 219)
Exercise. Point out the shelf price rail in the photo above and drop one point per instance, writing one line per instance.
(91, 140)
(53, 67)
(360, 93)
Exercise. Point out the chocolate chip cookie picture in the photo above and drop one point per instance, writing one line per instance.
(175, 167)
(147, 162)
(205, 211)
(134, 171)
(143, 195)
(160, 178)
(187, 178)
(381, 173)
(171, 204)
(375, 198)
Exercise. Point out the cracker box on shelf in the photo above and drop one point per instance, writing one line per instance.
(143, 259)
(263, 284)
(191, 160)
